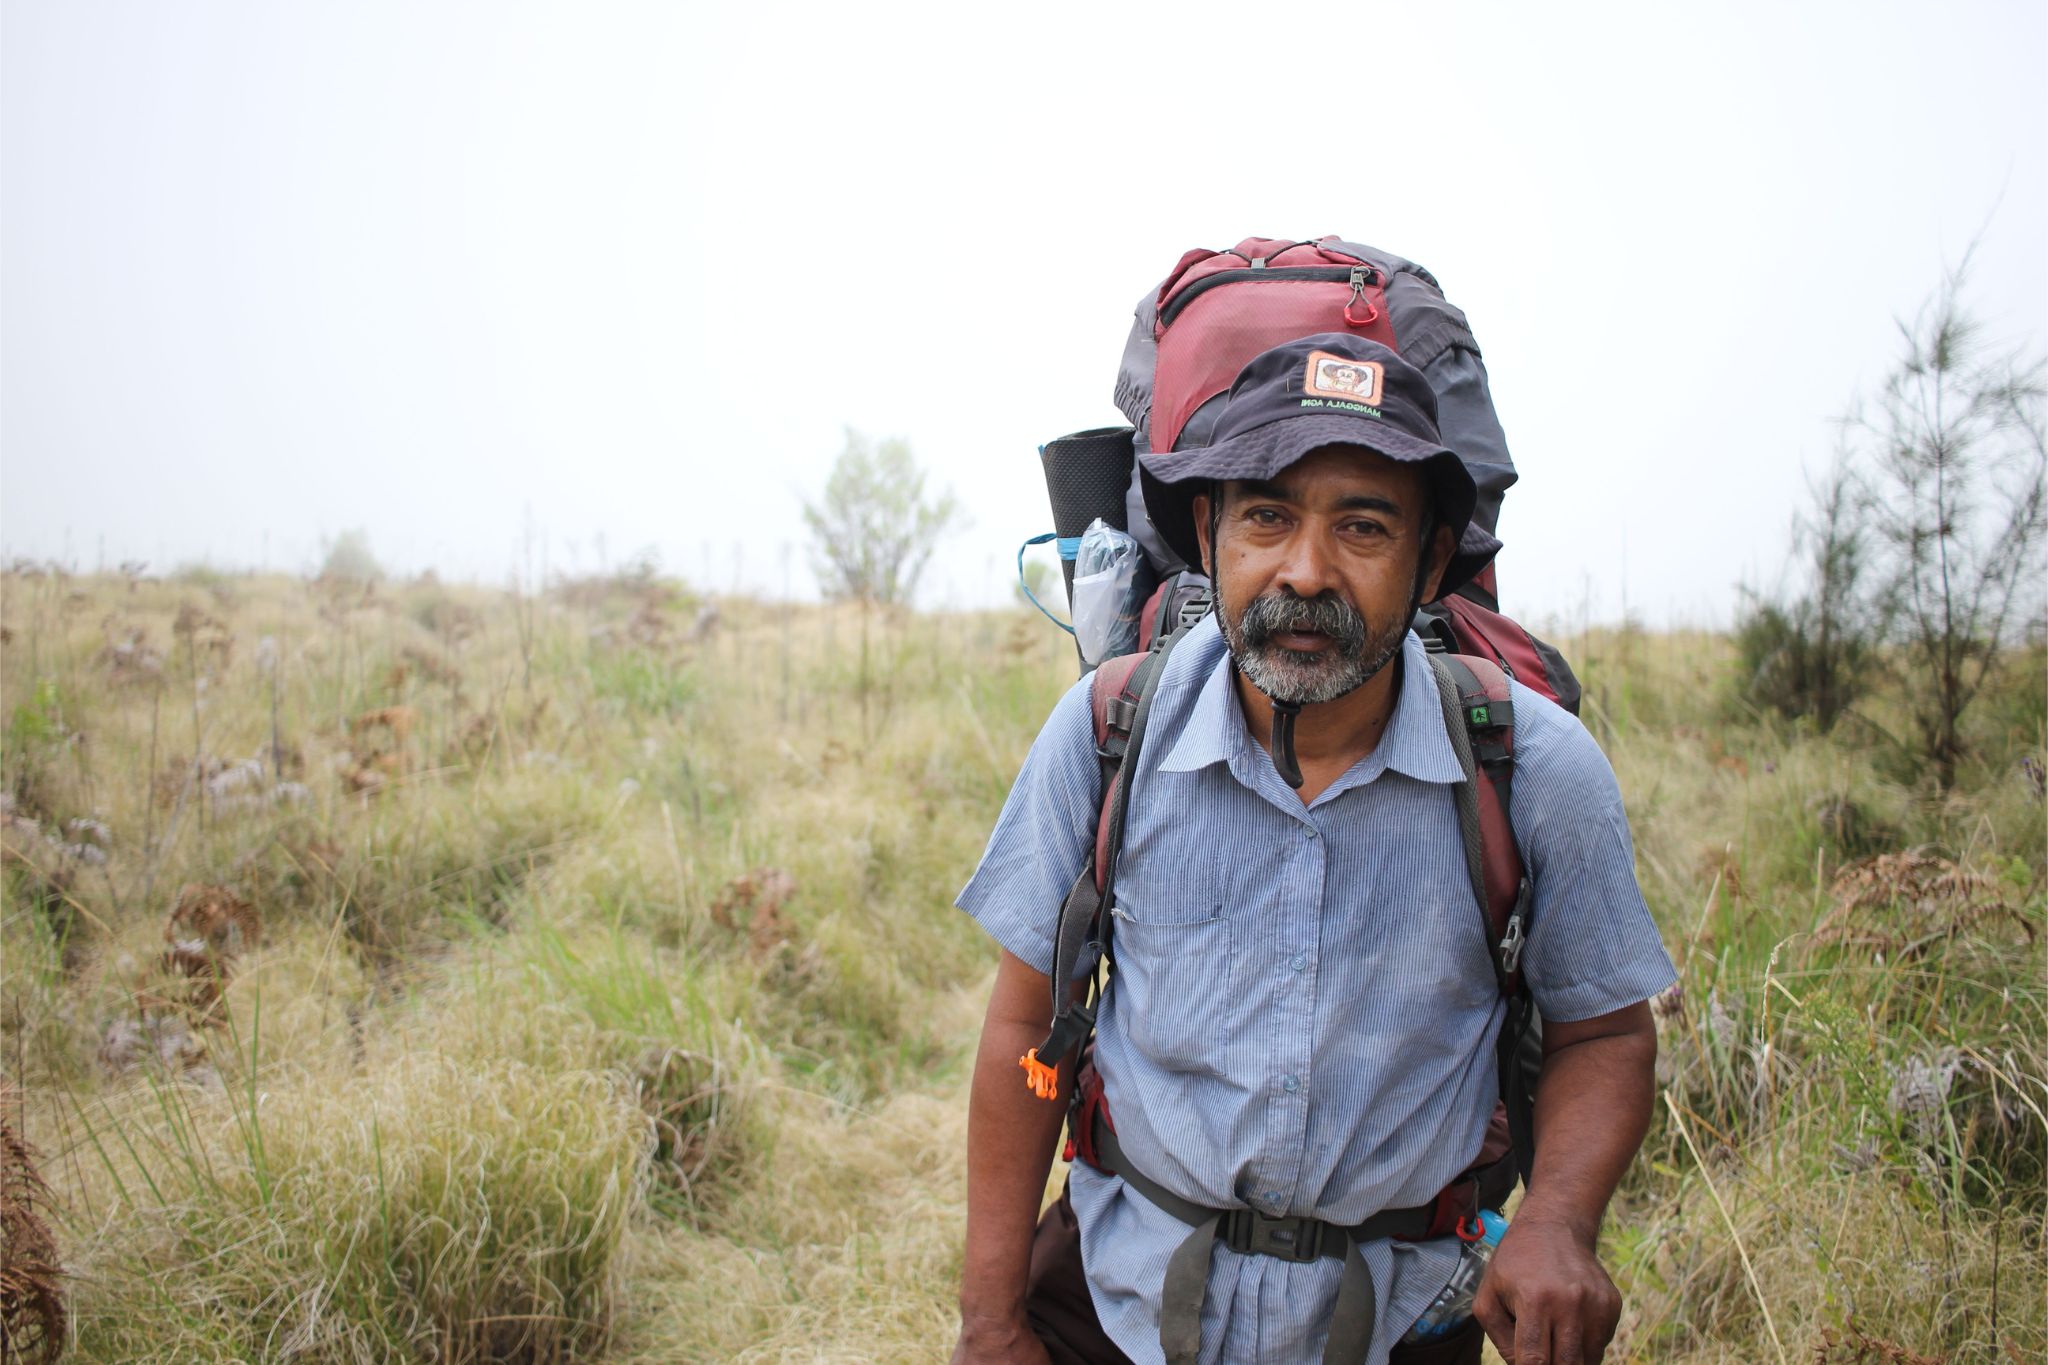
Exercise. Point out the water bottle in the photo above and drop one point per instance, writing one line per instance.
(1111, 581)
(1453, 1307)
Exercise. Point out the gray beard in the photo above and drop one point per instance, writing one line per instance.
(1356, 652)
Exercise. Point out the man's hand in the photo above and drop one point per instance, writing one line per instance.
(1546, 1299)
(1011, 1134)
(998, 1341)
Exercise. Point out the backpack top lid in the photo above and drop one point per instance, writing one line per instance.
(1323, 390)
(1195, 330)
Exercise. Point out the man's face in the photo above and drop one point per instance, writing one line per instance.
(1317, 571)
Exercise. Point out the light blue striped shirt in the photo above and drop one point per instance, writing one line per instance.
(1303, 1014)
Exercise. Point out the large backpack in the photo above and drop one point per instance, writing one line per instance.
(1208, 318)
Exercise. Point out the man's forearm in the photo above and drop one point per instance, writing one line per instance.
(1593, 1106)
(1546, 1298)
(1010, 1138)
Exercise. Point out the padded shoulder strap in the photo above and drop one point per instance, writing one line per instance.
(1120, 696)
(1119, 731)
(1480, 717)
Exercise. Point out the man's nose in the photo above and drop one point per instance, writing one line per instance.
(1309, 568)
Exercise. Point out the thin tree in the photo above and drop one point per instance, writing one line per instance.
(873, 533)
(1811, 653)
(1836, 538)
(1960, 497)
(874, 529)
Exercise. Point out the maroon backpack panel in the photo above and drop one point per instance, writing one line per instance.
(1217, 311)
(1466, 627)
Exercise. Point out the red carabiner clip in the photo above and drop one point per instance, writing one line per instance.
(1477, 1224)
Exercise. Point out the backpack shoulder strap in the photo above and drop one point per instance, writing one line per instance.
(1120, 694)
(1479, 714)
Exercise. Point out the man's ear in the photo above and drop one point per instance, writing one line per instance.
(1442, 545)
(1202, 524)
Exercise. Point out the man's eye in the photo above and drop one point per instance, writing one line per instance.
(1263, 516)
(1367, 528)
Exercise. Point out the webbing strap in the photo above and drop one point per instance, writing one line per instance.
(1186, 1286)
(1466, 794)
(1356, 1314)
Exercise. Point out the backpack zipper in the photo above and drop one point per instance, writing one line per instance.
(1359, 277)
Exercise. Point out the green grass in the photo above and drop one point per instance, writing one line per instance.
(515, 1074)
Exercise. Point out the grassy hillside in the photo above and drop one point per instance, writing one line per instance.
(433, 974)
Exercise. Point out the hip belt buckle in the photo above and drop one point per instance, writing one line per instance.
(1249, 1232)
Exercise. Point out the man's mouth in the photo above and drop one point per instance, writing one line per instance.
(1301, 639)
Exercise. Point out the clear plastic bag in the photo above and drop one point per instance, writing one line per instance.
(1111, 579)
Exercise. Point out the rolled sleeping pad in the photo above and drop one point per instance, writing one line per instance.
(1086, 474)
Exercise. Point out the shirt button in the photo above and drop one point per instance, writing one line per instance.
(1308, 831)
(1298, 961)
(1290, 1083)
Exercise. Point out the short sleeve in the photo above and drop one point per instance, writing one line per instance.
(1593, 947)
(1041, 838)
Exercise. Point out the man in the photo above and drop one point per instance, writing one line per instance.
(1302, 1016)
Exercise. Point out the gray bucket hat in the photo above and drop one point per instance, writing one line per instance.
(1330, 389)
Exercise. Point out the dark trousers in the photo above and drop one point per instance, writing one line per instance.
(1064, 1318)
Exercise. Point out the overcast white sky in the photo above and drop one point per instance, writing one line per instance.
(272, 270)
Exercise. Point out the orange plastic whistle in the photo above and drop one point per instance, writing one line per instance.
(1044, 1080)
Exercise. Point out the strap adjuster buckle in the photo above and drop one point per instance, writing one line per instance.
(1250, 1233)
(1512, 941)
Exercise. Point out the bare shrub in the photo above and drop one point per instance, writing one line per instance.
(32, 1308)
(760, 893)
(1900, 904)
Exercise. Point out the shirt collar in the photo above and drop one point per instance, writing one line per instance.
(1214, 729)
(1415, 742)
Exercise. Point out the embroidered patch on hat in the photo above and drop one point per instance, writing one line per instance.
(1342, 378)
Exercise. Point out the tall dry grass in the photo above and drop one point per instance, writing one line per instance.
(594, 992)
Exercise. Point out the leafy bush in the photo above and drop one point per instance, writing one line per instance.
(348, 560)
(874, 530)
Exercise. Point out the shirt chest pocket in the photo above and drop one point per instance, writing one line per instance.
(1173, 979)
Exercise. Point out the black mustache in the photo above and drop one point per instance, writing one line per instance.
(1327, 614)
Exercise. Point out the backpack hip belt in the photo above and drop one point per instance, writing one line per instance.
(1250, 1232)
(1299, 1239)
